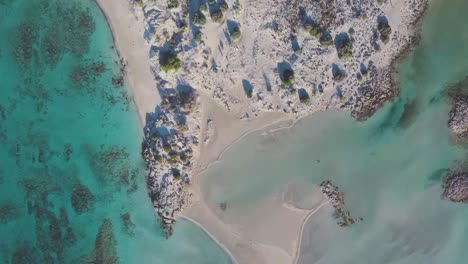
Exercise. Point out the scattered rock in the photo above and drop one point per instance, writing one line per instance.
(455, 186)
(458, 121)
(336, 198)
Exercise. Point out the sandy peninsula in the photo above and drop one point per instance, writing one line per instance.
(203, 76)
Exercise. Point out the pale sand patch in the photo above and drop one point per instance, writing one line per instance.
(268, 231)
(226, 128)
(128, 33)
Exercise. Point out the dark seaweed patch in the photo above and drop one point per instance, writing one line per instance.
(82, 199)
(26, 35)
(106, 244)
(112, 166)
(8, 212)
(409, 114)
(24, 253)
(85, 75)
(127, 223)
(78, 25)
(67, 151)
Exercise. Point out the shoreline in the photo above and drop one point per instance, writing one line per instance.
(310, 214)
(132, 55)
(211, 236)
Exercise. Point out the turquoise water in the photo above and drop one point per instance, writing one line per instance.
(389, 167)
(72, 187)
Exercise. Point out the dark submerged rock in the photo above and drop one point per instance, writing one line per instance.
(456, 186)
(458, 121)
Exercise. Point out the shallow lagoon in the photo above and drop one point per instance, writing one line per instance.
(389, 167)
(67, 127)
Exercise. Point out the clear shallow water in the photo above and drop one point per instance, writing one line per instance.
(65, 129)
(389, 167)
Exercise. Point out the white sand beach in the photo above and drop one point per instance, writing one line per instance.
(128, 32)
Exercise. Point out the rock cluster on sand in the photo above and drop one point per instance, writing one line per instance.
(336, 198)
(456, 186)
(458, 121)
(168, 150)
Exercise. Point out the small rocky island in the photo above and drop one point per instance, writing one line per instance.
(258, 57)
(458, 118)
(458, 121)
(456, 186)
(331, 191)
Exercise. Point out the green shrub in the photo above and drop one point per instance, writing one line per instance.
(183, 27)
(158, 158)
(339, 76)
(167, 148)
(303, 96)
(326, 40)
(140, 3)
(183, 127)
(198, 36)
(313, 29)
(249, 93)
(169, 61)
(224, 6)
(183, 157)
(156, 135)
(173, 3)
(217, 16)
(385, 30)
(199, 18)
(235, 32)
(297, 51)
(173, 155)
(288, 78)
(345, 47)
(176, 173)
(202, 7)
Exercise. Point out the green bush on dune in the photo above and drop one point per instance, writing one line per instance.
(217, 16)
(235, 32)
(173, 3)
(199, 18)
(288, 78)
(169, 61)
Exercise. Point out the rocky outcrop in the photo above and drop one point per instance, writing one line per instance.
(372, 94)
(336, 198)
(456, 186)
(458, 121)
(168, 150)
